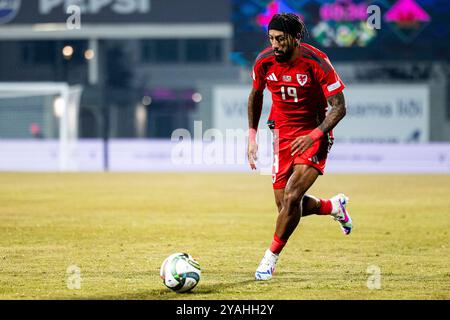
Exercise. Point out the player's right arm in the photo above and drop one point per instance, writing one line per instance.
(255, 103)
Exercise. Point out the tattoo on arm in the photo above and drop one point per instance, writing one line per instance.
(255, 102)
(337, 112)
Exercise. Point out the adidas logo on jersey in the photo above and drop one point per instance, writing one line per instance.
(314, 159)
(272, 77)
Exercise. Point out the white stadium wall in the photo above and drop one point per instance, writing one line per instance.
(165, 155)
(395, 119)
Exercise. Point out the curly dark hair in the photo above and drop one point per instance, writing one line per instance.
(289, 23)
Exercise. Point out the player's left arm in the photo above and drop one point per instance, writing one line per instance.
(338, 111)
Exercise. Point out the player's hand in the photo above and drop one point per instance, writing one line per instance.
(301, 144)
(252, 153)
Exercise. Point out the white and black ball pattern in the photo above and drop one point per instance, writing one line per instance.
(180, 272)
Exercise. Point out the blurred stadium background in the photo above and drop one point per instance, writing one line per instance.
(131, 72)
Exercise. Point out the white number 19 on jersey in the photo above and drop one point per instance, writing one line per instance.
(291, 92)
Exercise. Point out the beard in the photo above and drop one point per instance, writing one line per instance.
(284, 56)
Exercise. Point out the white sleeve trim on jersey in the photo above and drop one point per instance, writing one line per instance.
(254, 76)
(334, 86)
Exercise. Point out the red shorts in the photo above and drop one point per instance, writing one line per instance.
(283, 161)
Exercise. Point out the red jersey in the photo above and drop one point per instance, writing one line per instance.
(299, 88)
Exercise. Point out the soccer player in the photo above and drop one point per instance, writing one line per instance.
(302, 82)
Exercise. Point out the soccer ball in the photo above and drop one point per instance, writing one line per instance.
(180, 272)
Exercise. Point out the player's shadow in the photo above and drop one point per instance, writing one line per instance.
(202, 290)
(166, 294)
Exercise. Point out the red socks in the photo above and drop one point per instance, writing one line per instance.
(277, 244)
(325, 207)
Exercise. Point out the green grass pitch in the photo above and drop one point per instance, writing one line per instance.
(117, 228)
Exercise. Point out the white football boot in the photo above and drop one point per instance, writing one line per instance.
(340, 213)
(267, 266)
